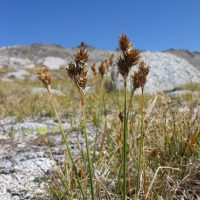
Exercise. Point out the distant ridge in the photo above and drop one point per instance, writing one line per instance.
(192, 57)
(37, 51)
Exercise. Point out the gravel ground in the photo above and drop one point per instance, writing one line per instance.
(25, 155)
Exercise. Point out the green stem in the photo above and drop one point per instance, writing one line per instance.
(130, 102)
(125, 133)
(141, 145)
(88, 150)
(105, 133)
(104, 112)
(95, 145)
(65, 141)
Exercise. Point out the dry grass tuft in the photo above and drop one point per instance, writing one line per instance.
(187, 188)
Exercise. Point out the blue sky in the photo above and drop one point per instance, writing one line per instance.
(150, 24)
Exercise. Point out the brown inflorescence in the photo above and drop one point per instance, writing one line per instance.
(93, 68)
(110, 59)
(103, 68)
(129, 58)
(125, 44)
(81, 57)
(106, 64)
(77, 71)
(72, 70)
(45, 76)
(121, 116)
(139, 78)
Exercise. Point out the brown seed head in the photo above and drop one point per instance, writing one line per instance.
(81, 57)
(121, 116)
(102, 68)
(81, 81)
(110, 59)
(129, 58)
(136, 79)
(77, 71)
(154, 152)
(106, 64)
(132, 58)
(123, 69)
(45, 76)
(124, 44)
(144, 68)
(72, 70)
(139, 78)
(93, 68)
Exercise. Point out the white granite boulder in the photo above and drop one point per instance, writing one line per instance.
(53, 63)
(166, 72)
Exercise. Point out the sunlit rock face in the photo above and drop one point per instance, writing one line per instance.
(166, 72)
(53, 62)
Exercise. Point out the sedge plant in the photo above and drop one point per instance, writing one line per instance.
(102, 71)
(139, 81)
(45, 76)
(130, 57)
(77, 71)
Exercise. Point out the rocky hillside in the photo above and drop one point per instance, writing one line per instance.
(51, 55)
(167, 71)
